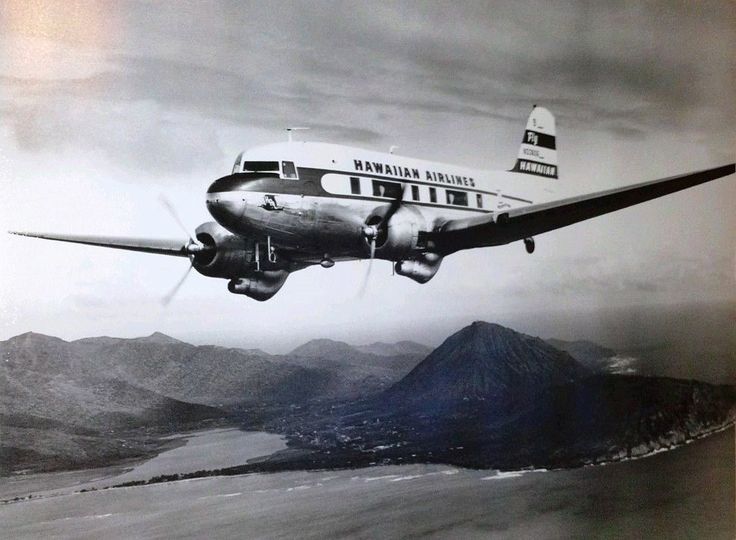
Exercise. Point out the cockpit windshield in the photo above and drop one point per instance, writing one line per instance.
(285, 169)
(288, 169)
(236, 166)
(261, 166)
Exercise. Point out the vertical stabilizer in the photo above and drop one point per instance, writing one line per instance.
(538, 151)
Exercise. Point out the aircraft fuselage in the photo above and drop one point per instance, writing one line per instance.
(313, 199)
(288, 206)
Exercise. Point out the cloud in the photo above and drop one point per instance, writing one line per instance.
(136, 135)
(622, 278)
(152, 93)
(380, 65)
(162, 115)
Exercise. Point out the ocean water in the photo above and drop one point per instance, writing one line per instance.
(684, 493)
(206, 449)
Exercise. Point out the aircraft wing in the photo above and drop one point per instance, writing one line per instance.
(516, 224)
(176, 248)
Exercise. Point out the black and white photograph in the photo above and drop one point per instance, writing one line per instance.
(354, 269)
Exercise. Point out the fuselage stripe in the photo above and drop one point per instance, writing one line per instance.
(412, 181)
(408, 202)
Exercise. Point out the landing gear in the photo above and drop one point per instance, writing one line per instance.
(270, 250)
(326, 262)
(529, 245)
(270, 253)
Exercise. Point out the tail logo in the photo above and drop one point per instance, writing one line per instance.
(538, 151)
(532, 167)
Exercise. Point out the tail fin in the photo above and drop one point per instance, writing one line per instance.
(538, 151)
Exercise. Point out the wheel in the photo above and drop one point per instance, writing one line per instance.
(529, 245)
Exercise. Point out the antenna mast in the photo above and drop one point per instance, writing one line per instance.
(290, 129)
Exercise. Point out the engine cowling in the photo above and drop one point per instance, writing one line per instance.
(226, 254)
(401, 237)
(260, 286)
(421, 268)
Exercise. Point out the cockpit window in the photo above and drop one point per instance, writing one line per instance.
(288, 169)
(261, 166)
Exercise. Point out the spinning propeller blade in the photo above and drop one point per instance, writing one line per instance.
(364, 286)
(174, 214)
(192, 248)
(393, 207)
(170, 295)
(372, 233)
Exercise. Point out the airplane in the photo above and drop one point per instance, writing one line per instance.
(291, 205)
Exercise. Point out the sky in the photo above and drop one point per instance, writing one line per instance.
(104, 106)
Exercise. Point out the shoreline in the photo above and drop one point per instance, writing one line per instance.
(49, 483)
(254, 466)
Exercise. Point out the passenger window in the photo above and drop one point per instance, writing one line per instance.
(354, 185)
(458, 198)
(415, 193)
(288, 169)
(479, 200)
(386, 189)
(432, 194)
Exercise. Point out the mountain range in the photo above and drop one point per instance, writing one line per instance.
(487, 397)
(490, 397)
(59, 400)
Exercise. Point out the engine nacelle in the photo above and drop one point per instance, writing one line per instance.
(401, 238)
(227, 255)
(421, 269)
(259, 286)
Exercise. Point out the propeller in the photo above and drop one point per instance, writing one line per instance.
(379, 229)
(371, 233)
(192, 248)
(165, 300)
(174, 214)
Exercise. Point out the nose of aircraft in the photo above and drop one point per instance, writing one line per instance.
(226, 211)
(224, 184)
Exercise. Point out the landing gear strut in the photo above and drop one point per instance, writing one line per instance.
(529, 245)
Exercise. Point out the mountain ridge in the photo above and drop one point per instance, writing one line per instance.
(58, 395)
(491, 397)
(488, 396)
